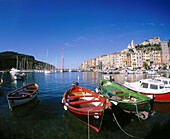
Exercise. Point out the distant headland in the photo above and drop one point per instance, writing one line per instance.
(9, 59)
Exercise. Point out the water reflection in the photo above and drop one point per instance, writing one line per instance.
(162, 107)
(54, 122)
(25, 109)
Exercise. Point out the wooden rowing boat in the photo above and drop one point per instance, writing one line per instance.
(22, 95)
(82, 101)
(127, 100)
(1, 81)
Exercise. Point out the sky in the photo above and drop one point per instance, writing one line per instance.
(84, 29)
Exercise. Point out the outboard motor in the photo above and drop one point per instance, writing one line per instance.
(111, 79)
(75, 83)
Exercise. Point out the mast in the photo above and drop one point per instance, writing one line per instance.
(17, 62)
(46, 60)
(63, 59)
(56, 63)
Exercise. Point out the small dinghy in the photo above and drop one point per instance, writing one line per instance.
(19, 76)
(22, 95)
(84, 102)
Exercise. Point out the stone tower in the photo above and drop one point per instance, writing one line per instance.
(133, 44)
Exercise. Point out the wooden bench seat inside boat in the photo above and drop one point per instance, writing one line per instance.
(30, 90)
(78, 93)
(85, 105)
(22, 93)
(99, 108)
(117, 91)
(74, 97)
(86, 101)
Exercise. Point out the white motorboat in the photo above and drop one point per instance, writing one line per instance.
(14, 70)
(165, 80)
(47, 71)
(156, 90)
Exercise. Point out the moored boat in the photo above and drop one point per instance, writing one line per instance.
(127, 100)
(22, 95)
(165, 80)
(14, 70)
(1, 81)
(82, 101)
(19, 76)
(47, 71)
(156, 90)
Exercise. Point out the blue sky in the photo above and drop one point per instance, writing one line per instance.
(85, 29)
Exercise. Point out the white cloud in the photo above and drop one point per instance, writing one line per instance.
(70, 44)
(80, 38)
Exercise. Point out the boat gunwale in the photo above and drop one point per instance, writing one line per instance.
(84, 111)
(142, 99)
(27, 94)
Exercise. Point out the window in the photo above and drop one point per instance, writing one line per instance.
(161, 87)
(165, 82)
(153, 86)
(144, 85)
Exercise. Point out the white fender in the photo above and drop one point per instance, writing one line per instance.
(65, 107)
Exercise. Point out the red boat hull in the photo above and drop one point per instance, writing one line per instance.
(85, 103)
(159, 97)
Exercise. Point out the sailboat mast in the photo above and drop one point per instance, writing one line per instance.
(62, 59)
(17, 62)
(46, 60)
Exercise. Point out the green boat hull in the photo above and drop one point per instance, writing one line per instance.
(139, 103)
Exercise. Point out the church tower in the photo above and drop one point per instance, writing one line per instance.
(133, 44)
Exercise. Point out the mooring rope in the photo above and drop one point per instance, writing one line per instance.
(137, 111)
(88, 126)
(104, 105)
(122, 128)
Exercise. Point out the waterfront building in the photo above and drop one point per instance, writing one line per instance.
(117, 65)
(157, 59)
(93, 63)
(104, 62)
(138, 59)
(124, 63)
(128, 61)
(147, 58)
(154, 52)
(133, 58)
(165, 52)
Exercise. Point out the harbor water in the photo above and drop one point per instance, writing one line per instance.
(45, 118)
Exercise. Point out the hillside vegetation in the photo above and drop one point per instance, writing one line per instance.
(8, 60)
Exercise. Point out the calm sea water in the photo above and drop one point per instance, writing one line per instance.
(45, 118)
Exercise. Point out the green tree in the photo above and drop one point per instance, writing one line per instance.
(145, 65)
(164, 67)
(169, 43)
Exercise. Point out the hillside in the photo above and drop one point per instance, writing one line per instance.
(8, 60)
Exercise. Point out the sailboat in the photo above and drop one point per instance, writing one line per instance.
(46, 71)
(15, 70)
